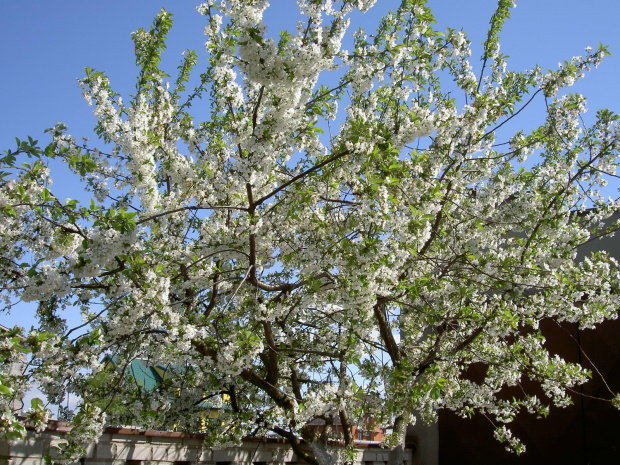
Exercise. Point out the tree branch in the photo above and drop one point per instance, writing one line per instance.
(255, 112)
(295, 444)
(214, 291)
(302, 175)
(385, 331)
(273, 372)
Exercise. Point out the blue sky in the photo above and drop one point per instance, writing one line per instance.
(44, 47)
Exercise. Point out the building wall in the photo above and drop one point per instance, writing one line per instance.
(134, 447)
(587, 432)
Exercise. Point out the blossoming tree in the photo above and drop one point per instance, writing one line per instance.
(340, 236)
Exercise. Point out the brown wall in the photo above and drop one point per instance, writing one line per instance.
(588, 432)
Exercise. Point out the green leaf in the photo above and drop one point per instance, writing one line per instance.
(10, 211)
(7, 391)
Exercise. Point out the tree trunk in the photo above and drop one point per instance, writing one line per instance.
(319, 449)
(397, 454)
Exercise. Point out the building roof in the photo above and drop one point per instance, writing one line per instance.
(145, 375)
(149, 376)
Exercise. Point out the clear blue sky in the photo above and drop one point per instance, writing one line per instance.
(45, 45)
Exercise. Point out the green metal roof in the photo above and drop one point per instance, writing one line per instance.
(149, 377)
(146, 376)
